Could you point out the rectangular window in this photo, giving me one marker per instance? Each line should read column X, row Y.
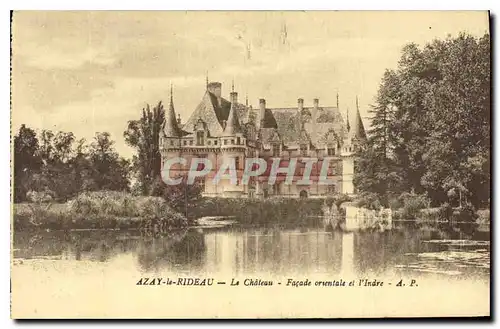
column 232, row 141
column 209, row 142
column 190, row 142
column 171, row 143
column 276, row 150
column 225, row 142
column 200, row 138
column 215, row 142
column 238, row 140
column 185, row 143
column 237, row 163
column 331, row 151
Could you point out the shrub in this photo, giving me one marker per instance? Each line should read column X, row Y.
column 413, row 204
column 445, row 212
column 368, row 200
column 465, row 218
column 102, row 209
column 341, row 198
column 466, row 214
column 483, row 216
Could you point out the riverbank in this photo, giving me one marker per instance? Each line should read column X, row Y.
column 118, row 210
column 99, row 210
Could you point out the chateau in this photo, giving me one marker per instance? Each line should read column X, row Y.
column 219, row 129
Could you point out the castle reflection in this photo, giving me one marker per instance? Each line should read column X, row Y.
column 247, row 250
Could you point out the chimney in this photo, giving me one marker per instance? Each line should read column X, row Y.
column 216, row 89
column 233, row 96
column 300, row 104
column 262, row 107
column 178, row 119
column 315, row 108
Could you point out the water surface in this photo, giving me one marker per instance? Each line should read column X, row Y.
column 274, row 250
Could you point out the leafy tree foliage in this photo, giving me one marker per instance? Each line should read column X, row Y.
column 143, row 135
column 431, row 124
column 61, row 166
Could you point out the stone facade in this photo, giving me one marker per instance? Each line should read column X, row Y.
column 219, row 129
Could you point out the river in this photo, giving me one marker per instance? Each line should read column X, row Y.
column 274, row 250
column 96, row 273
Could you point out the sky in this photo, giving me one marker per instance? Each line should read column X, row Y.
column 92, row 71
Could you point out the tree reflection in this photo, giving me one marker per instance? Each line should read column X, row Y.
column 181, row 250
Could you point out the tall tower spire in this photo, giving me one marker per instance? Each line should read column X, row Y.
column 348, row 125
column 171, row 127
column 358, row 129
column 206, row 80
column 337, row 99
column 171, row 94
column 232, row 85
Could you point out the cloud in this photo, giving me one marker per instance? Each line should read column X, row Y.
column 93, row 71
column 48, row 57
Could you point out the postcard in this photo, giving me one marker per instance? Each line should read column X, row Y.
column 250, row 164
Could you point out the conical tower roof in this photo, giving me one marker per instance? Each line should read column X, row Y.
column 171, row 127
column 232, row 124
column 357, row 130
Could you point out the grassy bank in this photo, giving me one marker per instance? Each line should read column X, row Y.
column 99, row 210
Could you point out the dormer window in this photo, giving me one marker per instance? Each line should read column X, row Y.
column 303, row 150
column 200, row 138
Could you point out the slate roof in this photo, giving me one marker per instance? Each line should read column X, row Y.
column 280, row 124
column 209, row 114
column 233, row 123
column 170, row 127
column 295, row 128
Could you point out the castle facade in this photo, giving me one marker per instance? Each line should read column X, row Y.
column 219, row 129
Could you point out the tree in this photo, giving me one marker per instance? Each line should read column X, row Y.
column 109, row 171
column 143, row 135
column 26, row 161
column 431, row 124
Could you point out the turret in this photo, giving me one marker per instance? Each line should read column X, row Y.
column 171, row 127
column 232, row 124
column 357, row 132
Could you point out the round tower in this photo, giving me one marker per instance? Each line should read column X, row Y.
column 233, row 150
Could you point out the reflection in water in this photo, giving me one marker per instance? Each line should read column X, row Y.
column 274, row 250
